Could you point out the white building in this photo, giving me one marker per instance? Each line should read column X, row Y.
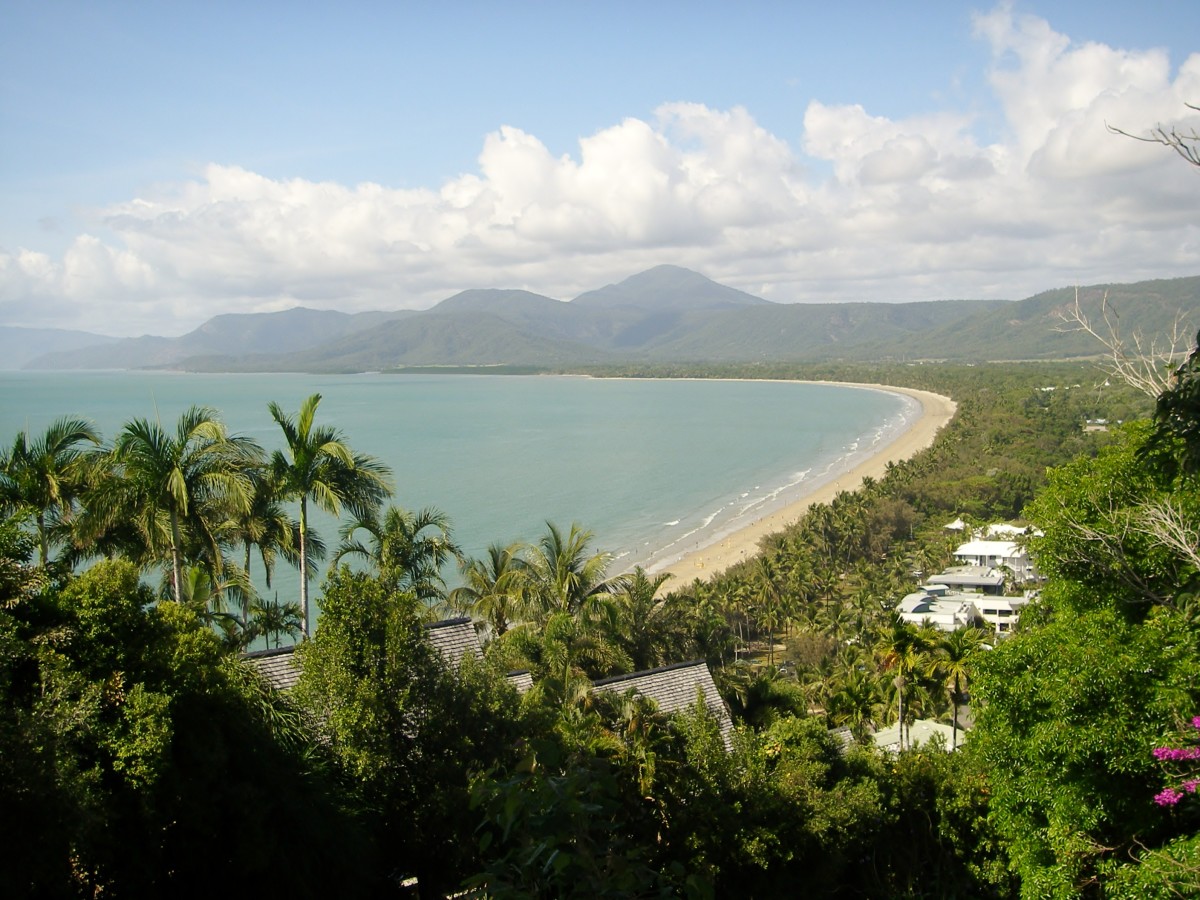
column 942, row 608
column 995, row 554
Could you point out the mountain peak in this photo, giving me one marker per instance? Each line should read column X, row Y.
column 668, row 288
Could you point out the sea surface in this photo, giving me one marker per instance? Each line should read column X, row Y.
column 655, row 468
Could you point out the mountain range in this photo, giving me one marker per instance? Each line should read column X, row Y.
column 664, row 315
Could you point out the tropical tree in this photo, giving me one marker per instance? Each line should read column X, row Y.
column 408, row 550
column 904, row 652
column 647, row 626
column 177, row 490
column 953, row 655
column 45, row 475
column 272, row 619
column 565, row 576
column 264, row 524
column 318, row 465
column 493, row 587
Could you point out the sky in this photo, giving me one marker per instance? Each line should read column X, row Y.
column 162, row 163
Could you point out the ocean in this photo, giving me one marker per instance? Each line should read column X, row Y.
column 653, row 467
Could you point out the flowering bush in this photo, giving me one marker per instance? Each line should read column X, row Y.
column 1172, row 795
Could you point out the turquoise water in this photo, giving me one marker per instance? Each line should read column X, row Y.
column 654, row 468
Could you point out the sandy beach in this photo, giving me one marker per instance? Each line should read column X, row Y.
column 705, row 562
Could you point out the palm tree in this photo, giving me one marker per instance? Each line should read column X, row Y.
column 904, row 652
column 647, row 625
column 493, row 587
column 319, row 465
column 564, row 576
column 178, row 490
column 853, row 702
column 266, row 525
column 45, row 476
column 272, row 619
column 954, row 652
column 408, row 550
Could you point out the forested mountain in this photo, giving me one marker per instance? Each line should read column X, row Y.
column 664, row 315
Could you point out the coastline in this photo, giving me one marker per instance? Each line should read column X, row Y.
column 705, row 562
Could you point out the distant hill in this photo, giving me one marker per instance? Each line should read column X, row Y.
column 668, row 289
column 20, row 346
column 231, row 335
column 667, row 314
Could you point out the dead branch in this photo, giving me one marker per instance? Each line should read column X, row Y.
column 1186, row 144
column 1145, row 365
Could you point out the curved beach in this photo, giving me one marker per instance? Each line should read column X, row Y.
column 706, row 561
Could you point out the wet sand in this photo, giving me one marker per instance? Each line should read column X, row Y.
column 705, row 562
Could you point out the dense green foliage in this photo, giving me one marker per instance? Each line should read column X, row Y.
column 140, row 756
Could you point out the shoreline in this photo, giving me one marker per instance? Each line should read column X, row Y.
column 707, row 561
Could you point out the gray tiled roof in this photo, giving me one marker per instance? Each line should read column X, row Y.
column 454, row 639
column 522, row 680
column 278, row 666
column 673, row 689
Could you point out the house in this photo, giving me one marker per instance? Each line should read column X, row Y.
column 996, row 554
column 453, row 639
column 277, row 666
column 971, row 579
column 1002, row 613
column 936, row 604
column 675, row 689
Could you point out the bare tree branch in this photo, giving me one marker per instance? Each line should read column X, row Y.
column 1145, row 365
column 1185, row 143
column 1167, row 524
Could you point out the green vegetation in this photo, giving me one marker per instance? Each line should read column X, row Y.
column 140, row 756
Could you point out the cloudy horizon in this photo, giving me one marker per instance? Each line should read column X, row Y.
column 1003, row 181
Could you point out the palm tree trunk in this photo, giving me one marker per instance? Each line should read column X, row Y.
column 43, row 539
column 304, row 567
column 176, row 559
column 246, row 594
column 954, row 700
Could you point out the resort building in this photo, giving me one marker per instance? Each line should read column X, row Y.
column 940, row 607
column 998, row 554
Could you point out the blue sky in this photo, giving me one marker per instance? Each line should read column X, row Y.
column 163, row 163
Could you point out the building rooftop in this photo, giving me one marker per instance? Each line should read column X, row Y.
column 675, row 689
column 277, row 666
column 454, row 639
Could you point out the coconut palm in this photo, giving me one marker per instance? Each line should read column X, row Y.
column 647, row 626
column 44, row 476
column 904, row 652
column 178, row 490
column 266, row 525
column 408, row 550
column 954, row 652
column 493, row 587
column 318, row 465
column 565, row 576
column 853, row 702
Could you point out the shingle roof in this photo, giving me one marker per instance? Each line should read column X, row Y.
column 522, row 680
column 673, row 689
column 454, row 639
column 277, row 666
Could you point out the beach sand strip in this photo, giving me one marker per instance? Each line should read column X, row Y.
column 706, row 562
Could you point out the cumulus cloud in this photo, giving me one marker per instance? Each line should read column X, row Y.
column 862, row 206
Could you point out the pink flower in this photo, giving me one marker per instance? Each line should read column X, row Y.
column 1190, row 785
column 1168, row 797
column 1196, row 721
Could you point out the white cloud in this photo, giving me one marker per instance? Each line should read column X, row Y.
column 912, row 208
